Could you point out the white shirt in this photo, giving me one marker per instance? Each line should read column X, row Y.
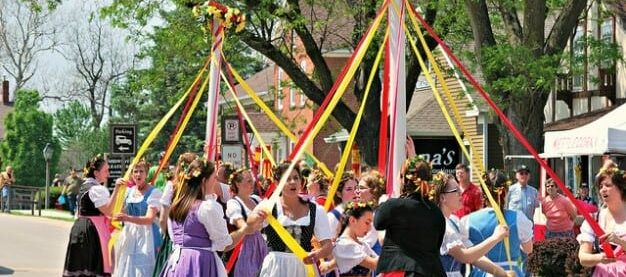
column 233, row 208
column 333, row 222
column 211, row 216
column 168, row 194
column 453, row 236
column 321, row 230
column 99, row 195
column 349, row 253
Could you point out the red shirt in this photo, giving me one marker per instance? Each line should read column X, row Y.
column 472, row 199
column 558, row 211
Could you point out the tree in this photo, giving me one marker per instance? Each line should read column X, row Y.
column 71, row 122
column 267, row 32
column 518, row 61
column 27, row 130
column 99, row 61
column 25, row 33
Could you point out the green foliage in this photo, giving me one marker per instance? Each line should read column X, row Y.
column 71, row 122
column 27, row 130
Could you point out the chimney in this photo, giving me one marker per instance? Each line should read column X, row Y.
column 5, row 92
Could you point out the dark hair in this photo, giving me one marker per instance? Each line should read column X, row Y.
column 617, row 176
column 93, row 165
column 191, row 188
column 229, row 169
column 236, row 178
column 462, row 166
column 375, row 182
column 354, row 209
column 345, row 177
column 282, row 168
column 415, row 172
column 498, row 187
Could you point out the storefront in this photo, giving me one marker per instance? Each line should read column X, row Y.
column 577, row 154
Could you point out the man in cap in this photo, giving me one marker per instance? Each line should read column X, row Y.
column 522, row 196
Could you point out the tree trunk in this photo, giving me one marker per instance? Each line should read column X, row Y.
column 527, row 115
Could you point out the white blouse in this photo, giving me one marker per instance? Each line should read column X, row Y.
column 168, row 194
column 133, row 196
column 99, row 195
column 349, row 253
column 321, row 229
column 333, row 222
column 453, row 236
column 588, row 235
column 210, row 214
column 233, row 208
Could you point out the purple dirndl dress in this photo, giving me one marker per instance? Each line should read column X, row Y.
column 192, row 253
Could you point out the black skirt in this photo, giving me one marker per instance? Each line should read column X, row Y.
column 83, row 256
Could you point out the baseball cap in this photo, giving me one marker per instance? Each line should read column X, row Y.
column 522, row 168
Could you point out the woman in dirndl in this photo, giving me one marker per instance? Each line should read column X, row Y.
column 87, row 250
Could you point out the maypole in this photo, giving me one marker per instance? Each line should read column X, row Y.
column 397, row 95
column 219, row 18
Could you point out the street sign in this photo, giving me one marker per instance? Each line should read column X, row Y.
column 117, row 165
column 123, row 139
column 231, row 131
column 233, row 154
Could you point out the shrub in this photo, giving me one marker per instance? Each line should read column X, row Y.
column 556, row 257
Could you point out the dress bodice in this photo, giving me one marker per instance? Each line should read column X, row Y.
column 190, row 232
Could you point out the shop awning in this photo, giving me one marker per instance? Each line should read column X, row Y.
column 605, row 134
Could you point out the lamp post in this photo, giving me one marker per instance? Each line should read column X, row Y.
column 47, row 155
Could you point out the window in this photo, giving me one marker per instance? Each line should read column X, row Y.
column 606, row 35
column 279, row 90
column 292, row 95
column 302, row 96
column 578, row 57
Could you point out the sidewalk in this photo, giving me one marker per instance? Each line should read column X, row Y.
column 49, row 213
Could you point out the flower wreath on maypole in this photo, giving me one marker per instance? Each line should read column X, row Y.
column 224, row 14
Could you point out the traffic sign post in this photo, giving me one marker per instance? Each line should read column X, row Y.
column 231, row 131
column 233, row 154
column 123, row 139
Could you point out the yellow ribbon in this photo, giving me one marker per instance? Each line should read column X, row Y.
column 272, row 116
column 344, row 83
column 441, row 79
column 355, row 127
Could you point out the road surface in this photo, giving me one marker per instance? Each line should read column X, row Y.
column 32, row 246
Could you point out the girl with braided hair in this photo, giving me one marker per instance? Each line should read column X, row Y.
column 353, row 256
column 87, row 249
column 238, row 208
column 456, row 249
column 482, row 224
column 197, row 225
column 414, row 226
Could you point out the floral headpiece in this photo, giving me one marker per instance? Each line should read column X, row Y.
column 612, row 170
column 352, row 205
column 195, row 172
column 234, row 175
column 411, row 167
column 229, row 16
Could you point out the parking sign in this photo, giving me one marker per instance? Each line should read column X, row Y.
column 123, row 138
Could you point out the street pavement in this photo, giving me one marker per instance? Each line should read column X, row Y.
column 32, row 246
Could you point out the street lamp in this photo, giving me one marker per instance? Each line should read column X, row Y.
column 47, row 155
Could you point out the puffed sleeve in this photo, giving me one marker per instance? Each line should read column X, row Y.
column 586, row 233
column 154, row 200
column 99, row 195
column 233, row 211
column 453, row 236
column 524, row 227
column 348, row 254
column 168, row 193
column 321, row 229
column 333, row 222
column 211, row 216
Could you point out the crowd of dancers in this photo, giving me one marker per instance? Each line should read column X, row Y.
column 207, row 213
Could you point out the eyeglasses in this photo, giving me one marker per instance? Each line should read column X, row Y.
column 452, row 190
column 549, row 186
column 523, row 173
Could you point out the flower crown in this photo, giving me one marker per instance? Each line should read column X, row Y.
column 353, row 205
column 229, row 16
column 231, row 178
column 612, row 170
column 195, row 172
column 411, row 167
